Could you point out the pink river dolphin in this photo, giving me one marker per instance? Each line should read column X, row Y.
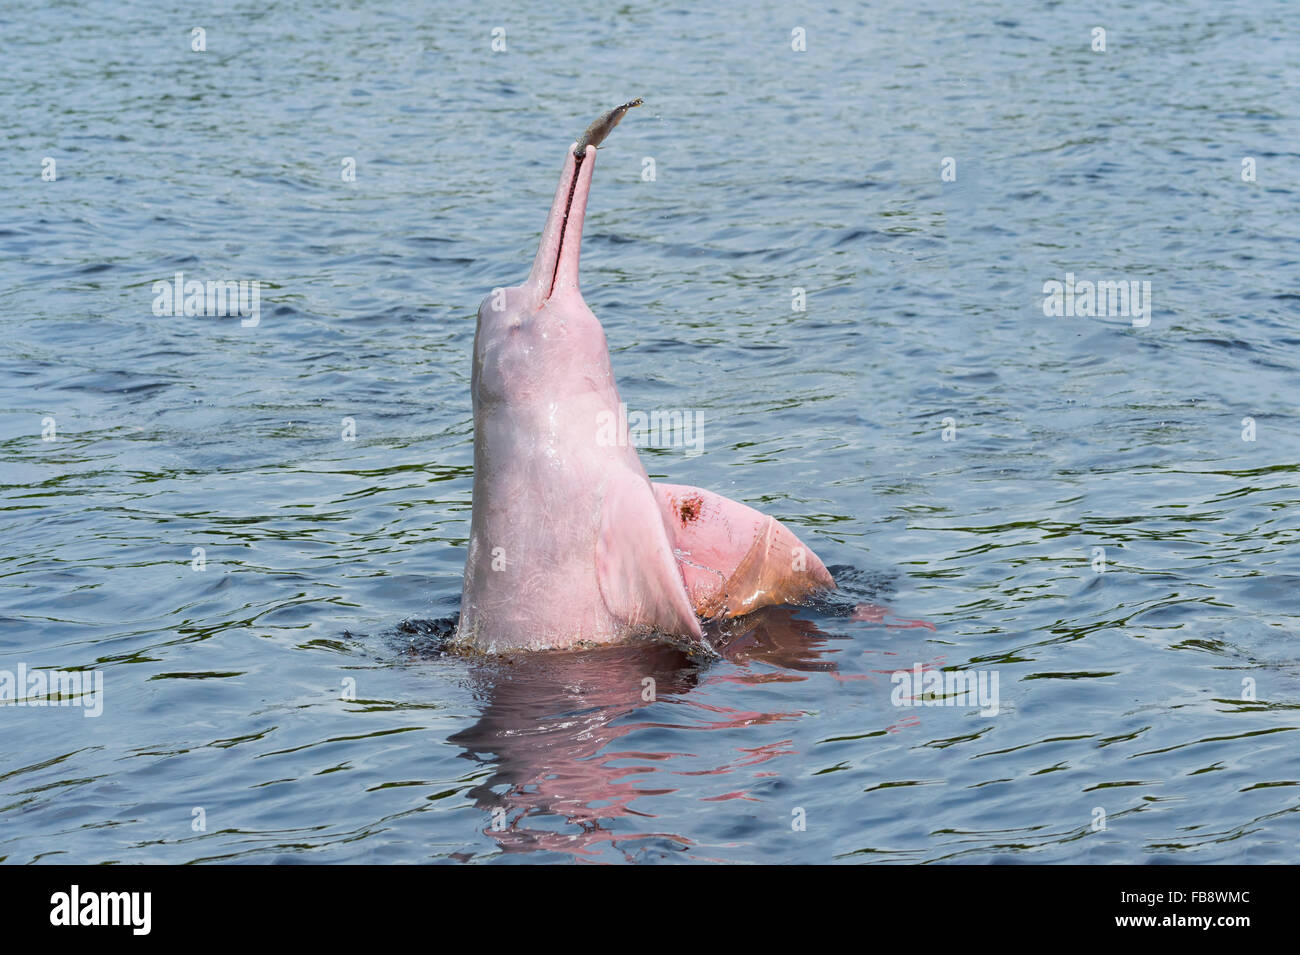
column 570, row 543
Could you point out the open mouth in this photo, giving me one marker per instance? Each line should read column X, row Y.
column 568, row 205
column 555, row 269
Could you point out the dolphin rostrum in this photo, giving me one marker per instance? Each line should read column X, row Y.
column 570, row 544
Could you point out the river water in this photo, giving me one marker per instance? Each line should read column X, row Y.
column 1098, row 511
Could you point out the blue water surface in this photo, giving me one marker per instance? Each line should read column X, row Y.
column 1102, row 515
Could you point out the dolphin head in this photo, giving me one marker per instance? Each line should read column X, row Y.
column 555, row 268
column 539, row 337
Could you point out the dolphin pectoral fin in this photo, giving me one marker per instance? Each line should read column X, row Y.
column 733, row 558
column 638, row 575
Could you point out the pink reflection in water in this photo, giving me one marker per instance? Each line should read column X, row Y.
column 550, row 722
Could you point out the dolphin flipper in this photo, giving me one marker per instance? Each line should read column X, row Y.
column 635, row 567
column 734, row 559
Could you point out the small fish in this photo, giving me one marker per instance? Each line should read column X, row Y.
column 602, row 127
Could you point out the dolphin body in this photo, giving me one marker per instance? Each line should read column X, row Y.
column 570, row 543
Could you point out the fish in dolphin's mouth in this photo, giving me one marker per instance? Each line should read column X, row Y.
column 593, row 135
column 601, row 127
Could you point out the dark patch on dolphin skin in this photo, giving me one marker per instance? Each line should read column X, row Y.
column 689, row 509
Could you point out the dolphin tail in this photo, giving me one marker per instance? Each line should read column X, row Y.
column 734, row 559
